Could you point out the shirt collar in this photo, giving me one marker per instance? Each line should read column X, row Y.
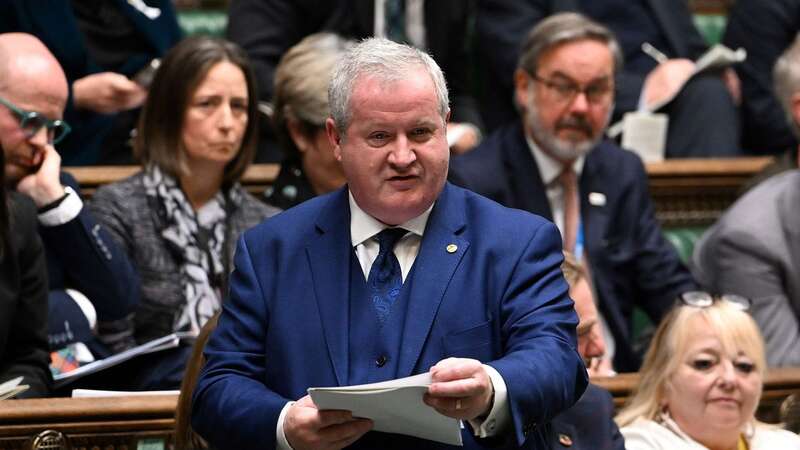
column 549, row 167
column 363, row 226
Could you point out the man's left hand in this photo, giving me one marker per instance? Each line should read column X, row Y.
column 44, row 186
column 461, row 389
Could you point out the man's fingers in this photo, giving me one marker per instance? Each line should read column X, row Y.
column 343, row 434
column 333, row 417
column 464, row 387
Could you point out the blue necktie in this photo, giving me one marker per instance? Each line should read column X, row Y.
column 385, row 278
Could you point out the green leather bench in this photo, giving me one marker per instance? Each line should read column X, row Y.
column 203, row 21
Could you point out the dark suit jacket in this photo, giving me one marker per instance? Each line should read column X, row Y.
column 23, row 302
column 54, row 23
column 81, row 255
column 502, row 25
column 268, row 28
column 765, row 28
column 500, row 298
column 589, row 424
column 631, row 262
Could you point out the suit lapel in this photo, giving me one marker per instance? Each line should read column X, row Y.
column 329, row 261
column 433, row 270
column 527, row 186
column 594, row 214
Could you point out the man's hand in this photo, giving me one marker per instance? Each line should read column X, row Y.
column 107, row 93
column 461, row 389
column 43, row 186
column 733, row 84
column 306, row 427
column 666, row 80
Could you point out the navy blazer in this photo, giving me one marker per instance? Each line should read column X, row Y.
column 589, row 424
column 631, row 262
column 499, row 298
column 54, row 23
column 501, row 27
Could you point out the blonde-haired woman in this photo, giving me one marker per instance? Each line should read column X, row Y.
column 701, row 382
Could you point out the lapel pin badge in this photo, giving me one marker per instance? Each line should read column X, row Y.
column 452, row 248
column 597, row 199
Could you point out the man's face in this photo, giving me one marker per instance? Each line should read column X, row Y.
column 591, row 343
column 394, row 152
column 568, row 102
column 23, row 154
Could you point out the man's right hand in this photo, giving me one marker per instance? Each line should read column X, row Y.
column 107, row 93
column 306, row 427
column 44, row 186
column 666, row 80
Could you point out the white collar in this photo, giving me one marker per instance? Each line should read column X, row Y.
column 549, row 167
column 364, row 227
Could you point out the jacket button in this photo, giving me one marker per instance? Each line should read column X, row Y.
column 381, row 360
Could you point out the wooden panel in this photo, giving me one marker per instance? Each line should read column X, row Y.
column 695, row 192
column 779, row 383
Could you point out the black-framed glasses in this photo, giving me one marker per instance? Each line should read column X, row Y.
column 702, row 299
column 31, row 122
column 565, row 90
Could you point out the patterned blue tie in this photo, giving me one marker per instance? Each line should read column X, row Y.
column 385, row 278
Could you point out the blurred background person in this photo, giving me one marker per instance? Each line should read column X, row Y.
column 266, row 29
column 753, row 248
column 179, row 218
column 90, row 281
column 300, row 109
column 765, row 28
column 106, row 48
column 641, row 82
column 701, row 382
column 589, row 423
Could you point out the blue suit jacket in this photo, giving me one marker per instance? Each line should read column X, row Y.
column 54, row 23
column 631, row 262
column 500, row 298
column 501, row 27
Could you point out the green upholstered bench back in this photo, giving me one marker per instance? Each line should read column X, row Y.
column 203, row 21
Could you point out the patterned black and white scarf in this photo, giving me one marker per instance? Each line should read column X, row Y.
column 201, row 248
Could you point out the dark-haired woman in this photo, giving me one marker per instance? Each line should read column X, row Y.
column 179, row 218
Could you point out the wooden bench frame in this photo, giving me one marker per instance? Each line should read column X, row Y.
column 116, row 423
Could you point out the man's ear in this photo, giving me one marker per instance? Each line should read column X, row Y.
column 334, row 138
column 521, row 92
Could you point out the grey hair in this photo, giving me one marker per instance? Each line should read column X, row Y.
column 386, row 60
column 564, row 28
column 786, row 81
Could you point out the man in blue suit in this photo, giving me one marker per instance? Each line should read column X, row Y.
column 471, row 292
column 554, row 163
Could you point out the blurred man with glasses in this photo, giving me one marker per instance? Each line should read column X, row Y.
column 555, row 163
column 89, row 283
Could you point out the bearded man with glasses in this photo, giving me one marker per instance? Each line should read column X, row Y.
column 89, row 283
column 555, row 163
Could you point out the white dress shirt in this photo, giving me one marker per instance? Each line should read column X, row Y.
column 363, row 229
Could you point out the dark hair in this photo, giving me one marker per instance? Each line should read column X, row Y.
column 158, row 139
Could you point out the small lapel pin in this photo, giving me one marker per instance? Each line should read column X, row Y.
column 597, row 199
column 565, row 440
column 452, row 248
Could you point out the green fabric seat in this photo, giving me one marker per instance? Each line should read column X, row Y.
column 203, row 21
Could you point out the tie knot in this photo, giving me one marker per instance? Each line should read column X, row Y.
column 567, row 176
column 388, row 237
